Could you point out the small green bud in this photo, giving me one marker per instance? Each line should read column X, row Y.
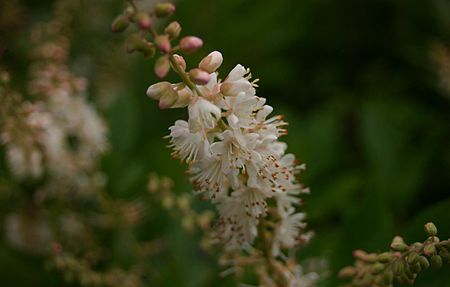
column 164, row 9
column 424, row 262
column 430, row 229
column 120, row 23
column 412, row 258
column 398, row 244
column 397, row 267
column 385, row 257
column 429, row 249
column 347, row 272
column 436, row 261
column 416, row 268
column 173, row 30
column 377, row 268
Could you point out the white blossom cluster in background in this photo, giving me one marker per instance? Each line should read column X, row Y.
column 230, row 142
column 57, row 133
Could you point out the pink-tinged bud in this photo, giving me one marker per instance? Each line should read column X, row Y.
column 211, row 62
column 173, row 30
column 163, row 43
column 180, row 61
column 162, row 67
column 199, row 76
column 184, row 98
column 143, row 20
column 156, row 91
column 164, row 9
column 168, row 99
column 190, row 44
column 120, row 23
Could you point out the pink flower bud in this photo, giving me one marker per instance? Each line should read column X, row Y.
column 163, row 43
column 173, row 30
column 199, row 76
column 190, row 44
column 156, row 91
column 168, row 99
column 184, row 98
column 143, row 20
column 180, row 61
column 211, row 62
column 162, row 67
column 164, row 9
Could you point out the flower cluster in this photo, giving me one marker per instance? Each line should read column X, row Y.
column 57, row 133
column 402, row 264
column 231, row 145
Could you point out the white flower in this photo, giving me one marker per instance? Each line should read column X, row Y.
column 287, row 232
column 208, row 177
column 235, row 227
column 254, row 201
column 203, row 114
column 187, row 146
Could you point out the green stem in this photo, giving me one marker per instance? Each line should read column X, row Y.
column 184, row 77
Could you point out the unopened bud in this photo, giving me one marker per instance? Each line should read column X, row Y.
column 162, row 67
column 130, row 11
column 385, row 257
column 436, row 261
column 398, row 244
column 164, row 92
column 164, row 9
column 184, row 98
column 397, row 267
column 424, row 262
column 199, row 76
column 156, row 91
column 429, row 249
column 430, row 229
column 143, row 20
column 359, row 254
column 168, row 99
column 377, row 268
column 173, row 30
column 120, row 23
column 211, row 62
column 347, row 272
column 412, row 258
column 190, row 44
column 163, row 43
column 180, row 61
column 416, row 268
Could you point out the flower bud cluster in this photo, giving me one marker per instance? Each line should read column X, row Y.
column 164, row 43
column 402, row 264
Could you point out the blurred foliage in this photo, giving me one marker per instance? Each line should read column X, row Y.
column 355, row 80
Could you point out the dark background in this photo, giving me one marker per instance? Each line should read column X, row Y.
column 356, row 81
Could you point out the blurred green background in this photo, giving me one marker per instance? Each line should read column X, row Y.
column 356, row 81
